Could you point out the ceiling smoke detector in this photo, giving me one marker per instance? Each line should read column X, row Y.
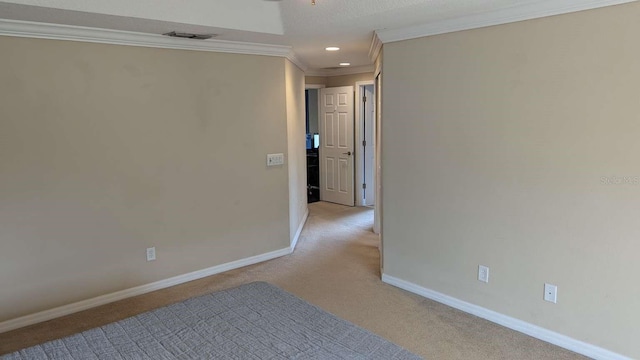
column 184, row 35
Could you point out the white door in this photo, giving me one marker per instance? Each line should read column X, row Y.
column 336, row 145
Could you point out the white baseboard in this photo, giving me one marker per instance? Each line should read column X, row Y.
column 543, row 334
column 138, row 290
column 294, row 241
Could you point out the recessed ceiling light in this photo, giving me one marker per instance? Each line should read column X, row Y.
column 332, row 48
column 345, row 64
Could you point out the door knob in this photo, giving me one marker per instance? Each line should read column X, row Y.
column 347, row 153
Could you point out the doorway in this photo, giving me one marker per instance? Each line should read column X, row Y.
column 312, row 142
column 362, row 173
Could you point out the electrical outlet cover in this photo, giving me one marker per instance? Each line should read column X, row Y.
column 151, row 254
column 483, row 273
column 551, row 293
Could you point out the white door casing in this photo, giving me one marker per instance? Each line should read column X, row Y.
column 337, row 145
column 369, row 154
column 365, row 143
column 378, row 213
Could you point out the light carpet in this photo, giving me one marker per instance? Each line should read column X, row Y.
column 254, row 321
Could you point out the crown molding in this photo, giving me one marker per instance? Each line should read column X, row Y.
column 117, row 37
column 497, row 17
column 291, row 56
column 351, row 70
column 375, row 47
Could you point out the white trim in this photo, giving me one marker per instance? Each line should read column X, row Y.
column 347, row 70
column 495, row 17
column 377, row 69
column 375, row 47
column 535, row 331
column 359, row 176
column 377, row 214
column 117, row 37
column 296, row 237
column 138, row 290
column 357, row 146
column 294, row 59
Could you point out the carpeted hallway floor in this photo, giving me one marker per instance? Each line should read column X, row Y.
column 335, row 266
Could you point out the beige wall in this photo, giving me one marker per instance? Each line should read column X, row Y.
column 107, row 150
column 297, row 161
column 348, row 80
column 504, row 146
column 341, row 80
column 315, row 80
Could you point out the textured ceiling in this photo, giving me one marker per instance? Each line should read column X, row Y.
column 247, row 15
column 349, row 24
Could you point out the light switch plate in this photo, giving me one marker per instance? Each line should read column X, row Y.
column 275, row 159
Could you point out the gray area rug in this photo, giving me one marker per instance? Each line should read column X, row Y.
column 253, row 321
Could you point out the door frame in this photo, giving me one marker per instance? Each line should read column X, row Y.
column 359, row 138
column 378, row 209
column 306, row 106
